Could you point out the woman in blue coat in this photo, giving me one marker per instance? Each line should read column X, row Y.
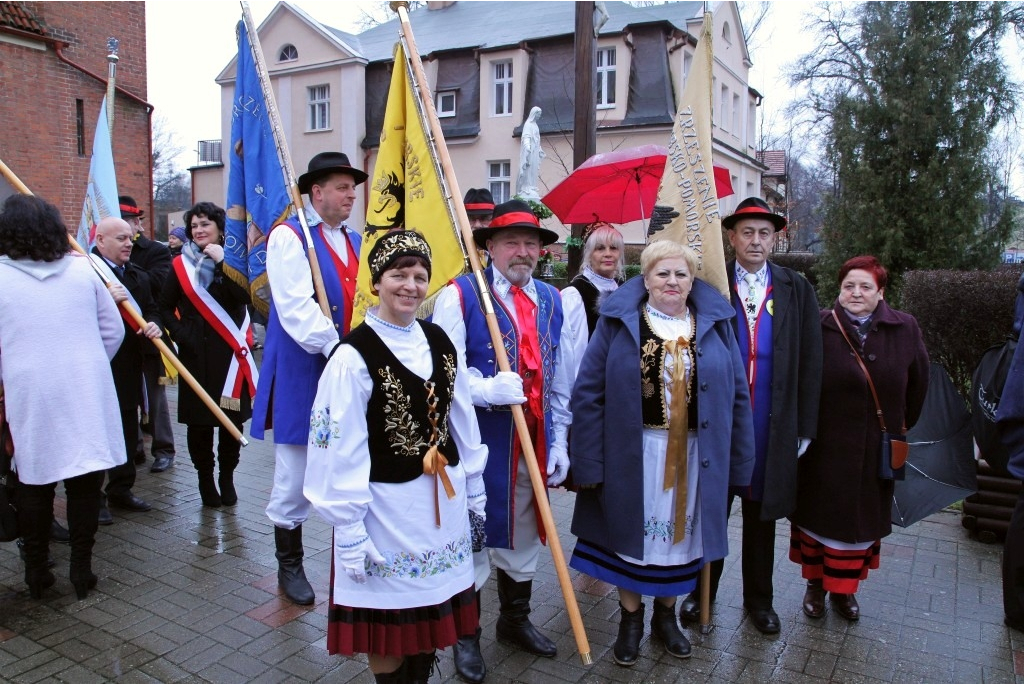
column 661, row 429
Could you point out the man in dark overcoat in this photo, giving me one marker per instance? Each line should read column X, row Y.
column 778, row 328
column 154, row 259
column 113, row 248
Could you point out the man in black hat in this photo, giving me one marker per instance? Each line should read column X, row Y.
column 778, row 328
column 154, row 259
column 479, row 204
column 299, row 340
column 529, row 314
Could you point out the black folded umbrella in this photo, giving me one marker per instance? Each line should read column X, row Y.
column 940, row 469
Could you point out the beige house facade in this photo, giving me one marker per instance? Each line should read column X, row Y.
column 488, row 64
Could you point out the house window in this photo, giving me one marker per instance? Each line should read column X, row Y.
column 445, row 103
column 736, row 114
column 503, row 88
column 723, row 116
column 319, row 108
column 288, row 54
column 687, row 63
column 727, row 33
column 80, row 126
column 751, row 124
column 606, row 77
column 499, row 178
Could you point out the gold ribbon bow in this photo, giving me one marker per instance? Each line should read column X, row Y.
column 434, row 461
column 675, row 453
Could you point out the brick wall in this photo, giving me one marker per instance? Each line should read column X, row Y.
column 38, row 112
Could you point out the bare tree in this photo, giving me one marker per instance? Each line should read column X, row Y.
column 172, row 186
column 381, row 13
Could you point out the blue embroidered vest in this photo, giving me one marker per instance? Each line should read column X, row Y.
column 496, row 428
column 285, row 406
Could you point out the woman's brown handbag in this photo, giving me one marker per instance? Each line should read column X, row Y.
column 894, row 449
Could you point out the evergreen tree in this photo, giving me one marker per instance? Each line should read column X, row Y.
column 909, row 94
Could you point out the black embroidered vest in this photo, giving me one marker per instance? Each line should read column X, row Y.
column 589, row 294
column 398, row 414
column 652, row 378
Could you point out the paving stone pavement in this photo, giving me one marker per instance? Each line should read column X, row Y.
column 189, row 594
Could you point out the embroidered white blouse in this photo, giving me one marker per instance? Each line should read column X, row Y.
column 425, row 564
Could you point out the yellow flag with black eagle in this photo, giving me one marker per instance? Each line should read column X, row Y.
column 407, row 190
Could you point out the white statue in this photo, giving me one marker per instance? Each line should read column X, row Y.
column 530, row 154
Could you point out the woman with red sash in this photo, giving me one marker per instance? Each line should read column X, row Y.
column 207, row 317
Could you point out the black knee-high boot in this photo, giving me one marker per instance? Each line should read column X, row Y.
column 83, row 521
column 514, row 620
column 35, row 516
column 228, row 451
column 200, row 449
column 291, row 577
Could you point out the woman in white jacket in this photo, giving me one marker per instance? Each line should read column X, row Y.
column 395, row 464
column 59, row 329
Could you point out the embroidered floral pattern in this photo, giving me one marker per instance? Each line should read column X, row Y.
column 664, row 530
column 322, row 428
column 449, row 370
column 648, row 359
column 402, row 430
column 432, row 562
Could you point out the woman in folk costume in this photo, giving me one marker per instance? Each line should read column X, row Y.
column 604, row 269
column 395, row 464
column 874, row 361
column 661, row 429
column 206, row 314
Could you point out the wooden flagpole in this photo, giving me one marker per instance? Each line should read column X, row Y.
column 536, row 478
column 137, row 318
column 285, row 157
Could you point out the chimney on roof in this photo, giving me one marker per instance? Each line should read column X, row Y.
column 439, row 4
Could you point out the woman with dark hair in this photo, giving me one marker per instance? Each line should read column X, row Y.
column 395, row 464
column 844, row 504
column 206, row 315
column 604, row 268
column 48, row 297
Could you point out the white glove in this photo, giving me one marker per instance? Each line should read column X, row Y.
column 476, row 496
column 558, row 464
column 506, row 387
column 214, row 252
column 353, row 559
column 801, row 446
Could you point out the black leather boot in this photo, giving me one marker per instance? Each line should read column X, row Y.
column 200, row 450
column 399, row 675
column 83, row 521
column 35, row 516
column 514, row 620
column 228, row 450
column 420, row 667
column 469, row 662
column 665, row 628
column 291, row 577
column 631, row 631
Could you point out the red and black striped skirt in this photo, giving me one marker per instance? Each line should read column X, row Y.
column 401, row 632
column 840, row 570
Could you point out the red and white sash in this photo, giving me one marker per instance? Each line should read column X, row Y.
column 242, row 369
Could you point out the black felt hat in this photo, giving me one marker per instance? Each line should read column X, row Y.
column 478, row 201
column 327, row 163
column 513, row 214
column 754, row 208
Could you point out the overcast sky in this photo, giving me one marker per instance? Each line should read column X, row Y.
column 190, row 41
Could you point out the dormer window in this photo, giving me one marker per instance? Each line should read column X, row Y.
column 288, row 53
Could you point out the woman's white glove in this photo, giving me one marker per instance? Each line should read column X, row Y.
column 505, row 387
column 353, row 558
column 558, row 465
column 801, row 446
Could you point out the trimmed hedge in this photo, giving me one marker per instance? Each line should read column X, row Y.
column 961, row 314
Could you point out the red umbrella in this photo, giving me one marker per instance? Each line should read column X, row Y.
column 617, row 187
